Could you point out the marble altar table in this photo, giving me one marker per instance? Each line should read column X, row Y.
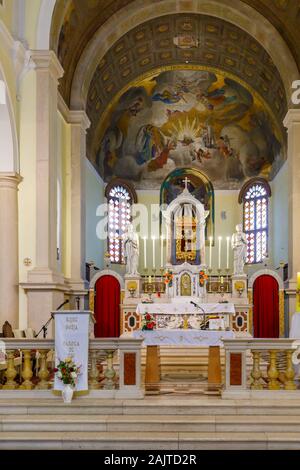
column 202, row 338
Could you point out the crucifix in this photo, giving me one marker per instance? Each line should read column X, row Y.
column 186, row 181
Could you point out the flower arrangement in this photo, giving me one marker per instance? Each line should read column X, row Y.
column 67, row 371
column 148, row 322
column 168, row 278
column 202, row 277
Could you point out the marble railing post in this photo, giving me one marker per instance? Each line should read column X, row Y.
column 45, row 285
column 9, row 271
column 292, row 123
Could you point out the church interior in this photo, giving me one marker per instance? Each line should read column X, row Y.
column 149, row 183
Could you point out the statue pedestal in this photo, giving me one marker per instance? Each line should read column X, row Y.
column 239, row 286
column 133, row 286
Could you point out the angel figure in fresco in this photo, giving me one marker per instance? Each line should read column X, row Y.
column 169, row 97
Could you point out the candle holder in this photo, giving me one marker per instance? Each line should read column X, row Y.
column 209, row 281
column 219, row 279
column 154, row 281
column 222, row 289
column 227, row 280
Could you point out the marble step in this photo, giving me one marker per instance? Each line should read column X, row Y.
column 146, row 423
column 149, row 440
column 150, row 406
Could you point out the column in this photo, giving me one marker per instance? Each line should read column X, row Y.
column 9, row 272
column 45, row 287
column 79, row 123
column 292, row 123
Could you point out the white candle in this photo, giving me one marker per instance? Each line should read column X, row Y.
column 153, row 251
column 210, row 250
column 162, row 251
column 220, row 247
column 145, row 252
column 227, row 258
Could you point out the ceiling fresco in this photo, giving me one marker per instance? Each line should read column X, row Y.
column 75, row 22
column 195, row 118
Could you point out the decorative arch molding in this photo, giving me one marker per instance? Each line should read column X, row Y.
column 125, row 184
column 139, row 11
column 8, row 133
column 44, row 24
column 106, row 272
column 266, row 272
column 250, row 183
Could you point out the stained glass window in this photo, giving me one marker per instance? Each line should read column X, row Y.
column 255, row 199
column 119, row 216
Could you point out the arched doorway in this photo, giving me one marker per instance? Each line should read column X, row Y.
column 265, row 307
column 107, row 307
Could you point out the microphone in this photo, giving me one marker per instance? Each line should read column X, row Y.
column 198, row 306
column 64, row 303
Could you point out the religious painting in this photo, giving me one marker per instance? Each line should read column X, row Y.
column 185, row 285
column 194, row 118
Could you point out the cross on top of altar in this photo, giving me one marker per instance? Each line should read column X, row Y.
column 186, row 181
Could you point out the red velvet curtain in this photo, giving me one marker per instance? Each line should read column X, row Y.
column 107, row 307
column 266, row 307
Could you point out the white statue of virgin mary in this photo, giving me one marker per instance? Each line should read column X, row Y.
column 131, row 251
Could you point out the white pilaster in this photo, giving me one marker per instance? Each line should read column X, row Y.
column 292, row 123
column 9, row 273
column 79, row 124
column 45, row 287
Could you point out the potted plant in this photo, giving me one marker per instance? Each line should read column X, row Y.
column 67, row 371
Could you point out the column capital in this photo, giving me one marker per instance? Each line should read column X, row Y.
column 79, row 118
column 73, row 116
column 10, row 180
column 292, row 117
column 47, row 60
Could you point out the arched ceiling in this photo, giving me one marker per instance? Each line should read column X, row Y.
column 75, row 22
column 222, row 46
column 245, row 74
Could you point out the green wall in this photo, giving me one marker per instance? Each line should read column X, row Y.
column 280, row 222
column 95, row 248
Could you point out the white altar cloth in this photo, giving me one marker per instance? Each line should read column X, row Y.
column 184, row 308
column 183, row 337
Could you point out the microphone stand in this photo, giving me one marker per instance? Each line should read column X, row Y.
column 204, row 314
column 45, row 326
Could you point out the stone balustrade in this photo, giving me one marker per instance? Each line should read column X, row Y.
column 114, row 366
column 272, row 368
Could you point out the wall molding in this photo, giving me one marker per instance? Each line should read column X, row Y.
column 266, row 272
column 106, row 272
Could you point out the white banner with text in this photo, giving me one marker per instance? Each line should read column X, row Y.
column 72, row 341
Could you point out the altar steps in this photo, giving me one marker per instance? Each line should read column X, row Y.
column 151, row 423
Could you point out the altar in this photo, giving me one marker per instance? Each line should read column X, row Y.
column 185, row 294
column 189, row 314
column 183, row 338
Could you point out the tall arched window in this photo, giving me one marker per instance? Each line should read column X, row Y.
column 255, row 198
column 120, row 197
